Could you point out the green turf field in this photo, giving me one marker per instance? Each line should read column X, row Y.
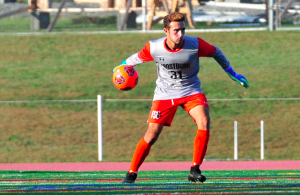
column 150, row 182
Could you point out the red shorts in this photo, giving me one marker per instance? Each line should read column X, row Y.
column 163, row 111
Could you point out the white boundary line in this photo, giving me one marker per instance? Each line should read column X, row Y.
column 44, row 101
column 143, row 100
column 140, row 31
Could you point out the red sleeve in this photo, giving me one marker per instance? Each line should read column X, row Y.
column 145, row 54
column 205, row 49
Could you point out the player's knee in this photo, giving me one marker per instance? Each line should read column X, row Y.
column 203, row 122
column 151, row 141
column 152, row 134
column 151, row 138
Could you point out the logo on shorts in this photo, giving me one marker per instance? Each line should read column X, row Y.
column 155, row 114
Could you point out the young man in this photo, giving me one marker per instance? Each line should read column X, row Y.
column 177, row 60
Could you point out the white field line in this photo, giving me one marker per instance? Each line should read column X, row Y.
column 142, row 100
column 138, row 31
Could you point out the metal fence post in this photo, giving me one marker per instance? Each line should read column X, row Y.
column 235, row 140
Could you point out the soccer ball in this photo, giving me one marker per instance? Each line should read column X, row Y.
column 125, row 77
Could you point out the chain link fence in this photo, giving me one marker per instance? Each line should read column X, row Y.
column 21, row 16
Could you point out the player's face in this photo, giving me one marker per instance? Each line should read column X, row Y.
column 176, row 32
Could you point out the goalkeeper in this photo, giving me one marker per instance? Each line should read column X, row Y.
column 177, row 61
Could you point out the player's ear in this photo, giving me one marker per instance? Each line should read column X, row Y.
column 165, row 30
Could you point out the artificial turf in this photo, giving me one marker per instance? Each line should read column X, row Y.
column 150, row 182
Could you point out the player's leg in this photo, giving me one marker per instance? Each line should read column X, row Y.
column 201, row 116
column 161, row 114
column 198, row 108
column 142, row 150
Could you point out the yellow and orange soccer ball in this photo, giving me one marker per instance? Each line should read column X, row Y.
column 125, row 77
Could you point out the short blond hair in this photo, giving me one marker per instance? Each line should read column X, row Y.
column 174, row 16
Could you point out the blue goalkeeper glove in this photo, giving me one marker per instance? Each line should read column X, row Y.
column 123, row 63
column 236, row 77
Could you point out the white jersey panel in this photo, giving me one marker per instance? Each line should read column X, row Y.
column 177, row 71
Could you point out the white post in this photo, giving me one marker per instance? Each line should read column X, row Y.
column 271, row 15
column 99, row 107
column 262, row 144
column 235, row 140
column 144, row 13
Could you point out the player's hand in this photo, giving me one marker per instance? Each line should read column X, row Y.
column 237, row 77
column 241, row 79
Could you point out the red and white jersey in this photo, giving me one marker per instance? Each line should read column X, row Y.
column 177, row 70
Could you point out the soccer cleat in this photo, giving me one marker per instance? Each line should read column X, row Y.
column 195, row 175
column 130, row 178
